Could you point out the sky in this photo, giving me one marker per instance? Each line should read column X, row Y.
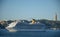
column 28, row 9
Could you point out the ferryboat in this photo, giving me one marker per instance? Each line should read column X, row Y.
column 22, row 26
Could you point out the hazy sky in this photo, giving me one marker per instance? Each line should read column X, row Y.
column 28, row 9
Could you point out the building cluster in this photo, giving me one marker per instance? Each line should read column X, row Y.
column 48, row 23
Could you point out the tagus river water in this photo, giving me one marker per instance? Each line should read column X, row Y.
column 47, row 33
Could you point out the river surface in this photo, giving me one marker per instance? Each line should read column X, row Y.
column 46, row 33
